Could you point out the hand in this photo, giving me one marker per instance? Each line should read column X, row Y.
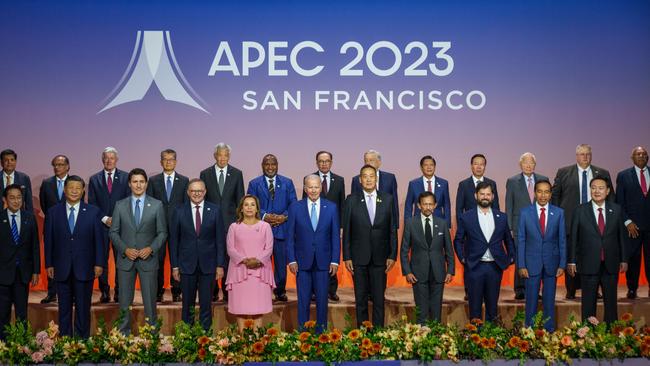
column 571, row 269
column 349, row 266
column 98, row 271
column 50, row 273
column 333, row 269
column 109, row 221
column 132, row 253
column 559, row 273
column 293, row 267
column 448, row 278
column 145, row 252
column 176, row 273
column 410, row 278
column 35, row 278
column 523, row 273
column 253, row 263
column 270, row 218
column 219, row 273
column 632, row 230
column 389, row 264
column 281, row 219
column 622, row 267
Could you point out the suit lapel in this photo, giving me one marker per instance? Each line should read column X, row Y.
column 609, row 218
column 364, row 207
column 419, row 231
column 497, row 221
column 592, row 218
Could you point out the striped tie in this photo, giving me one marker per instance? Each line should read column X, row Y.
column 14, row 230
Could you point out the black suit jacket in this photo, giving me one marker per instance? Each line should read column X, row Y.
column 48, row 194
column 27, row 252
column 466, row 196
column 365, row 243
column 98, row 191
column 157, row 189
column 233, row 191
column 437, row 257
column 335, row 192
column 25, row 183
column 636, row 207
column 586, row 241
column 387, row 183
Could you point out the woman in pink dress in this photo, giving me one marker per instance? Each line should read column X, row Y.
column 250, row 281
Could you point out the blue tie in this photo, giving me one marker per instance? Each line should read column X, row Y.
column 584, row 187
column 137, row 212
column 14, row 230
column 314, row 217
column 71, row 220
column 169, row 187
column 59, row 188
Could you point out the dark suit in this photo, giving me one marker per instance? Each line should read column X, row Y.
column 48, row 197
column 636, row 207
column 466, row 196
column 429, row 263
column 98, row 196
column 386, row 183
column 336, row 194
column 368, row 245
column 197, row 256
column 157, row 188
column 483, row 279
column 25, row 184
column 566, row 195
column 18, row 262
column 228, row 200
column 313, row 251
column 597, row 257
column 74, row 256
column 516, row 199
column 440, row 190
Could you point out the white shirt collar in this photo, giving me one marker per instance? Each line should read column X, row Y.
column 638, row 170
column 62, row 179
column 532, row 177
column 201, row 204
column 17, row 213
column 480, row 212
column 173, row 175
column 76, row 206
column 425, row 180
column 310, row 202
column 588, row 169
column 373, row 193
column 10, row 175
column 596, row 207
column 218, row 169
column 476, row 180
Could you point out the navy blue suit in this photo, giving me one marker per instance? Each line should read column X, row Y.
column 74, row 256
column 483, row 279
column 25, row 184
column 440, row 190
column 541, row 254
column 197, row 256
column 388, row 184
column 48, row 197
column 285, row 195
column 466, row 196
column 313, row 251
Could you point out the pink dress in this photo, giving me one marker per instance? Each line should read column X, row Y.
column 250, row 290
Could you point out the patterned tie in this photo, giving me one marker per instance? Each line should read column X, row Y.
column 314, row 216
column 531, row 193
column 325, row 184
column 168, row 187
column 197, row 220
column 601, row 228
column 271, row 189
column 8, row 181
column 14, row 230
column 137, row 212
column 371, row 208
column 429, row 187
column 583, row 197
column 644, row 184
column 221, row 182
column 428, row 235
column 71, row 220
column 542, row 220
column 59, row 188
column 109, row 183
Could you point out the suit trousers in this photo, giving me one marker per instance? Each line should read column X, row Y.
column 148, row 287
column 428, row 298
column 483, row 285
column 223, row 280
column 72, row 291
column 572, row 283
column 369, row 280
column 533, row 284
column 51, row 287
column 176, row 286
column 608, row 282
column 202, row 282
column 102, row 281
column 312, row 281
column 280, row 266
column 519, row 283
column 634, row 249
column 15, row 294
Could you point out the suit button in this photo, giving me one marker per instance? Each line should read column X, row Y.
column 71, row 238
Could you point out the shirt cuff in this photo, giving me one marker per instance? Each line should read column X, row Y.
column 627, row 222
column 176, row 269
column 292, row 263
column 104, row 219
column 570, row 264
column 336, row 264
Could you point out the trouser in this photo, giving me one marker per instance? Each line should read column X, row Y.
column 190, row 284
column 280, row 266
column 533, row 284
column 148, row 287
column 308, row 282
column 635, row 247
column 15, row 294
column 608, row 282
column 175, row 285
column 483, row 284
column 369, row 280
column 73, row 291
column 427, row 294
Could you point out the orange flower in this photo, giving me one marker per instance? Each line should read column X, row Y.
column 364, row 354
column 492, row 343
column 628, row 331
column 203, row 340
column 471, row 327
column 324, row 338
column 366, row 343
column 376, row 347
column 646, row 341
column 272, row 331
column 626, row 317
column 539, row 333
column 201, row 353
column 367, row 324
column 566, row 341
column 335, row 336
column 524, row 346
column 310, row 324
column 475, row 338
column 476, row 321
column 354, row 334
column 248, row 323
column 304, row 336
column 484, row 342
column 305, row 347
column 258, row 347
column 514, row 342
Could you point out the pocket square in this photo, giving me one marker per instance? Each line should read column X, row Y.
column 441, row 233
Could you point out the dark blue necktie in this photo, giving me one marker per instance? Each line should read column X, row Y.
column 14, row 230
column 71, row 220
column 169, row 187
column 137, row 213
column 584, row 187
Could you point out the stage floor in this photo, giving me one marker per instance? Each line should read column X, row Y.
column 399, row 301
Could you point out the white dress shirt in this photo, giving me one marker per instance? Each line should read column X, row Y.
column 539, row 213
column 76, row 210
column 426, row 184
column 201, row 206
column 424, row 222
column 486, row 221
column 646, row 174
column 476, row 180
column 329, row 178
column 17, row 213
column 218, row 170
column 595, row 207
column 589, row 177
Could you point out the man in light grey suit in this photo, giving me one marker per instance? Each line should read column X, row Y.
column 520, row 193
column 431, row 265
column 138, row 232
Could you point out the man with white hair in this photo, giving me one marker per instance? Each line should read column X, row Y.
column 520, row 193
column 386, row 181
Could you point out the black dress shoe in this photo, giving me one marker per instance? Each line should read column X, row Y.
column 48, row 299
column 313, row 298
column 104, row 299
column 630, row 295
column 176, row 297
column 225, row 296
column 333, row 297
column 159, row 298
column 282, row 297
column 116, row 298
column 519, row 296
column 570, row 296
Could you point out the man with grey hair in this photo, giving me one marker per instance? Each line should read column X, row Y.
column 386, row 181
column 225, row 188
column 571, row 189
column 105, row 188
column 520, row 193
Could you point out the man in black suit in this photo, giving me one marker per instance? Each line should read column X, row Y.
column 369, row 244
column 225, row 188
column 170, row 188
column 333, row 189
column 386, row 182
column 50, row 194
column 632, row 195
column 10, row 176
column 571, row 189
column 597, row 249
column 105, row 188
column 20, row 259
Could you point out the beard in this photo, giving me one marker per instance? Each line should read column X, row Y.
column 485, row 203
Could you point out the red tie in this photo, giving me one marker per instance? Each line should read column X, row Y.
column 197, row 221
column 542, row 220
column 109, row 183
column 601, row 228
column 644, row 184
column 429, row 186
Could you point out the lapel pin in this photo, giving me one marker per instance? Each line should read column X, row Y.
column 176, row 178
column 497, row 215
column 208, row 208
column 228, row 175
column 610, row 210
column 552, row 213
column 148, row 204
column 83, row 209
column 435, row 225
column 438, row 184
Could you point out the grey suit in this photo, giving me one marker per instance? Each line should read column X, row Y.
column 428, row 264
column 151, row 232
column 516, row 199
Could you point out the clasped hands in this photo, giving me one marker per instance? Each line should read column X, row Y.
column 350, row 267
column 251, row 263
column 523, row 272
column 274, row 219
column 50, row 273
column 572, row 270
column 134, row 254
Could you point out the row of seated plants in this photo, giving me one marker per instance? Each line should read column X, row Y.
column 402, row 340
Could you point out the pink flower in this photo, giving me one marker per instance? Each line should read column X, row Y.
column 166, row 348
column 223, row 342
column 38, row 357
column 593, row 320
column 41, row 337
column 582, row 332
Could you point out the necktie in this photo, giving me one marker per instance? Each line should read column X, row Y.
column 542, row 220
column 8, row 180
column 59, row 188
column 137, row 212
column 271, row 188
column 168, row 187
column 197, row 220
column 644, row 184
column 429, row 187
column 428, row 235
column 314, row 217
column 531, row 193
column 71, row 220
column 371, row 208
column 14, row 230
column 221, row 181
column 583, row 189
column 601, row 228
column 325, row 184
column 109, row 183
